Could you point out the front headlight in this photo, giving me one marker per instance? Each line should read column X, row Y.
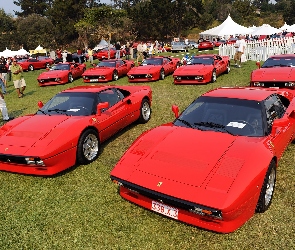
column 85, row 77
column 204, row 211
column 149, row 76
column 177, row 77
column 57, row 79
column 34, row 161
column 289, row 84
column 199, row 77
column 258, row 84
column 101, row 77
column 131, row 77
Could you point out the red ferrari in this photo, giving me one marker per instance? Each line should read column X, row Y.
column 70, row 128
column 61, row 73
column 104, row 53
column 153, row 69
column 202, row 69
column 205, row 45
column 108, row 70
column 215, row 165
column 33, row 63
column 277, row 71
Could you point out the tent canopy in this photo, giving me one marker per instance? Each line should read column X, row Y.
column 103, row 44
column 38, row 50
column 265, row 29
column 228, row 27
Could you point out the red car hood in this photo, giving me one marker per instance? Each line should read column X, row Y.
column 30, row 132
column 52, row 73
column 98, row 71
column 193, row 69
column 144, row 69
column 274, row 74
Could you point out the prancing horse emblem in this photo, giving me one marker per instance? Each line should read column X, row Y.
column 159, row 184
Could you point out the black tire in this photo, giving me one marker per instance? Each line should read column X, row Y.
column 88, row 147
column 162, row 74
column 70, row 78
column 115, row 75
column 31, row 67
column 145, row 111
column 267, row 189
column 214, row 76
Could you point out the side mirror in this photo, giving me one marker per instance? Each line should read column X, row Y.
column 175, row 110
column 258, row 65
column 40, row 104
column 101, row 106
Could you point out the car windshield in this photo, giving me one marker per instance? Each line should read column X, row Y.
column 43, row 58
column 227, row 115
column 71, row 104
column 279, row 62
column 61, row 66
column 22, row 60
column 202, row 60
column 152, row 61
column 107, row 64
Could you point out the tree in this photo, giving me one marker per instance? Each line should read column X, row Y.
column 35, row 30
column 7, row 29
column 33, row 7
column 103, row 22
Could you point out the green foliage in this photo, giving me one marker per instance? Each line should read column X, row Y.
column 35, row 30
column 81, row 209
column 32, row 7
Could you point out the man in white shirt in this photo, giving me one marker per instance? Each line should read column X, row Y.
column 240, row 46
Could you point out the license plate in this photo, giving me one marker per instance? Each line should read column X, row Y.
column 165, row 210
column 93, row 80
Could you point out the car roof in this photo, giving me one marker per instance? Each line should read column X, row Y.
column 88, row 88
column 283, row 56
column 257, row 94
column 205, row 55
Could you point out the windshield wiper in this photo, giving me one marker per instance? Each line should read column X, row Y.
column 60, row 111
column 185, row 122
column 213, row 125
column 43, row 112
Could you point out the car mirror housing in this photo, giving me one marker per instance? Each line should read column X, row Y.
column 101, row 106
column 175, row 110
column 40, row 104
column 258, row 65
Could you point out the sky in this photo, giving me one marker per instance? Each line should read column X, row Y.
column 9, row 7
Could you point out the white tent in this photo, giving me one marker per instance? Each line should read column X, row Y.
column 265, row 29
column 228, row 27
column 7, row 53
column 21, row 52
column 291, row 28
column 285, row 26
column 103, row 44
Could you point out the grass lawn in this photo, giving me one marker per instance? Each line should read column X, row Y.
column 81, row 209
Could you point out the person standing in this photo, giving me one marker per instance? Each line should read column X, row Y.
column 140, row 49
column 2, row 84
column 3, row 72
column 3, row 109
column 90, row 55
column 118, row 48
column 64, row 56
column 17, row 78
column 240, row 46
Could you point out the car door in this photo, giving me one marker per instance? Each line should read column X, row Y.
column 121, row 68
column 275, row 109
column 218, row 65
column 114, row 117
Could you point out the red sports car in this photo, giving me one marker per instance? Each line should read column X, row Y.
column 61, row 73
column 205, row 45
column 108, row 70
column 104, row 53
column 277, row 71
column 70, row 128
column 202, row 69
column 153, row 69
column 215, row 165
column 33, row 63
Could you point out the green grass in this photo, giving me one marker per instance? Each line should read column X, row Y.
column 81, row 209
